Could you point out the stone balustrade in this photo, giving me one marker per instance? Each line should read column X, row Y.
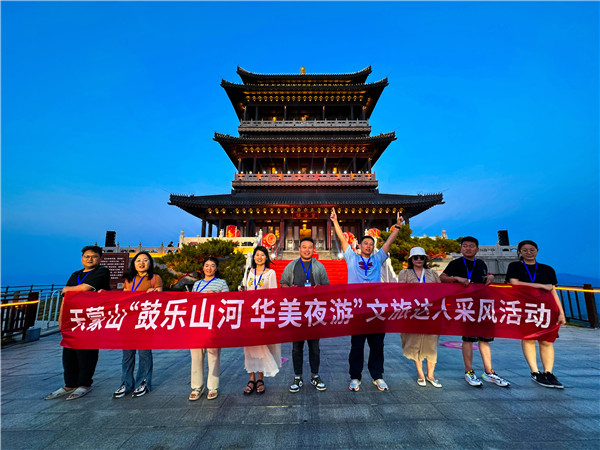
column 347, row 123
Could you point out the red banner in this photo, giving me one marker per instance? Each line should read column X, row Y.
column 181, row 320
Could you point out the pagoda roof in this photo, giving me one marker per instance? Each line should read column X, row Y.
column 365, row 94
column 349, row 146
column 252, row 77
column 292, row 198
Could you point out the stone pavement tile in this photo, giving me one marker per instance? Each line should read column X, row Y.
column 585, row 408
column 26, row 440
column 456, row 433
column 196, row 416
column 30, row 421
column 350, row 415
column 104, row 437
column 311, row 397
column 535, row 430
column 585, row 427
column 407, row 412
column 164, row 438
column 278, row 436
column 527, row 409
column 25, row 406
column 476, row 409
column 241, row 436
column 391, row 435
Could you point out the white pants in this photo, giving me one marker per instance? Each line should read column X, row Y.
column 214, row 367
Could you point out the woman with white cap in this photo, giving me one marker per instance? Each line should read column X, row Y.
column 420, row 346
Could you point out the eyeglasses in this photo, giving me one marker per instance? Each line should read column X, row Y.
column 423, row 257
column 90, row 257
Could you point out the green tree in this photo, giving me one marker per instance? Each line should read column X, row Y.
column 400, row 249
column 189, row 259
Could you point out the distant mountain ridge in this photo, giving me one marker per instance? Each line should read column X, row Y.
column 569, row 279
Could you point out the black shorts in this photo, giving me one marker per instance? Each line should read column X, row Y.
column 476, row 339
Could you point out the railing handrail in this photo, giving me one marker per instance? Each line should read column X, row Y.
column 305, row 123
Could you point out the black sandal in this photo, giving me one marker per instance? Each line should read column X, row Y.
column 260, row 383
column 252, row 385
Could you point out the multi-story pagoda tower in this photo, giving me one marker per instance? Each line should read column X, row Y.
column 304, row 146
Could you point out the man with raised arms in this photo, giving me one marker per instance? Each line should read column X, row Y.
column 366, row 268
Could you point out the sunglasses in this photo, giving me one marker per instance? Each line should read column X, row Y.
column 420, row 257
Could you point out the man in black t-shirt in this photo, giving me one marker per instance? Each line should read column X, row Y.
column 528, row 272
column 79, row 365
column 305, row 271
column 467, row 270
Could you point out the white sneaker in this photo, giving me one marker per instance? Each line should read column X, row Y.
column 354, row 384
column 381, row 385
column 494, row 378
column 472, row 378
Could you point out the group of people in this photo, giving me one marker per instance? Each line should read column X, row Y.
column 364, row 266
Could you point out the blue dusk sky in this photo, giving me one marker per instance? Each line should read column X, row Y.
column 107, row 108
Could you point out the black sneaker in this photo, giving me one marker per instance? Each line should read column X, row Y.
column 119, row 393
column 296, row 385
column 142, row 389
column 540, row 378
column 316, row 381
column 553, row 380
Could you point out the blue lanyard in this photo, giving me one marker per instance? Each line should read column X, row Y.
column 81, row 281
column 138, row 285
column 422, row 279
column 467, row 267
column 200, row 282
column 366, row 264
column 255, row 282
column 529, row 273
column 305, row 272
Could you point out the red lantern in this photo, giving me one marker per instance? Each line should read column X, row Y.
column 269, row 240
column 230, row 231
column 374, row 232
column 349, row 237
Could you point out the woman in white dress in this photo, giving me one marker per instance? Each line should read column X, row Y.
column 261, row 360
column 420, row 346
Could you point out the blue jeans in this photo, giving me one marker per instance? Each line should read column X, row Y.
column 144, row 371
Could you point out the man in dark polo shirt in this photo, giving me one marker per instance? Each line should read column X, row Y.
column 79, row 365
column 305, row 271
column 466, row 270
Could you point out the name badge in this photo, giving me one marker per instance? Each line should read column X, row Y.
column 307, row 285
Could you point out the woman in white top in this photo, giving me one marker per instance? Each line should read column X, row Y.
column 261, row 360
column 210, row 282
column 420, row 346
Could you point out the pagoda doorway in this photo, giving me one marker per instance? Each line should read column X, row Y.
column 305, row 232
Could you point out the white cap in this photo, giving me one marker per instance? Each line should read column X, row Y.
column 417, row 251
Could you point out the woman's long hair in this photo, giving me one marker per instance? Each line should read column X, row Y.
column 131, row 272
column 216, row 261
column 266, row 252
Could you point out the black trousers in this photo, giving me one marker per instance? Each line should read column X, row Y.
column 79, row 366
column 314, row 356
column 357, row 355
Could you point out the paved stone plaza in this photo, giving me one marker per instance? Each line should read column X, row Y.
column 408, row 416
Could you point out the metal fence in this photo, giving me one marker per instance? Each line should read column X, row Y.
column 580, row 304
column 47, row 309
